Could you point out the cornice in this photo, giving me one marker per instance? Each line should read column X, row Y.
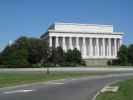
column 113, row 33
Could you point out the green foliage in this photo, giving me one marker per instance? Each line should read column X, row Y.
column 14, row 56
column 123, row 55
column 11, row 79
column 25, row 51
column 73, row 56
column 57, row 57
column 60, row 58
column 125, row 92
column 130, row 54
column 36, row 52
column 22, row 42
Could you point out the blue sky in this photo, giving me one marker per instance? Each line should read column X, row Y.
column 32, row 17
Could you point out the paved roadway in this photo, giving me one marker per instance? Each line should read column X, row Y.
column 69, row 89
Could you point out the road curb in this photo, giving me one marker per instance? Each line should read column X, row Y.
column 95, row 96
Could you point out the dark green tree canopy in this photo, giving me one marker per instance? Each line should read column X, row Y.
column 39, row 50
column 32, row 51
column 57, row 56
column 123, row 55
column 25, row 51
column 13, row 55
column 130, row 54
column 73, row 56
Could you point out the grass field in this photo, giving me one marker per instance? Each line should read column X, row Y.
column 125, row 92
column 10, row 79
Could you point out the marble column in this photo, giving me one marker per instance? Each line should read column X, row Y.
column 115, row 48
column 77, row 43
column 64, row 44
column 57, row 42
column 50, row 41
column 106, row 46
column 90, row 46
column 120, row 42
column 109, row 40
column 103, row 47
column 70, row 43
column 84, row 47
column 97, row 46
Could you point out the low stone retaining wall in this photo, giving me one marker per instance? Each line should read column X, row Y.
column 94, row 62
column 69, row 69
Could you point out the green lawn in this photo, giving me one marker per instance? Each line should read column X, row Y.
column 10, row 79
column 125, row 92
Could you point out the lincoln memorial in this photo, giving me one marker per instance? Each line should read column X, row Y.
column 97, row 43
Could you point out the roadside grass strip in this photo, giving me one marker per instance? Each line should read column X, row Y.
column 120, row 91
column 13, row 79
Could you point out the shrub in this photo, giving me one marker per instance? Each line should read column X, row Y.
column 123, row 55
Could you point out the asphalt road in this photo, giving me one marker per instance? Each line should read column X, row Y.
column 69, row 89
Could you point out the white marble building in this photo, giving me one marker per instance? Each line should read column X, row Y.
column 94, row 41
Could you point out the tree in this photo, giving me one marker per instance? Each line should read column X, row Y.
column 57, row 57
column 123, row 55
column 73, row 56
column 38, row 51
column 25, row 51
column 22, row 42
column 14, row 56
column 130, row 54
column 69, row 56
column 76, row 56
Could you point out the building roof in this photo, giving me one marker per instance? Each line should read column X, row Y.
column 76, row 27
column 60, row 27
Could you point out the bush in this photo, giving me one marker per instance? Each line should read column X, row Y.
column 73, row 58
column 15, row 66
column 123, row 55
column 57, row 56
column 130, row 54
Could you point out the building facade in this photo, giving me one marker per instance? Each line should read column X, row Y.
column 95, row 42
